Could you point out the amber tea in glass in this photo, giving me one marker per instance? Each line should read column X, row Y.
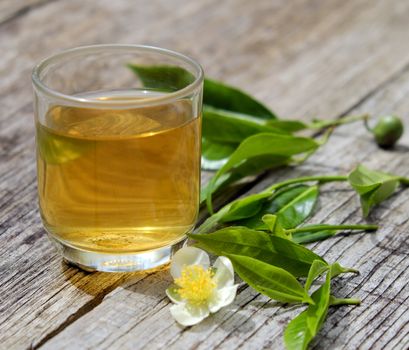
column 118, row 161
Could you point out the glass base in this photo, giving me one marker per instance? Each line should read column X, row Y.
column 105, row 262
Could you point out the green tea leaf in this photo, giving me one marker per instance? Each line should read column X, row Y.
column 311, row 233
column 236, row 176
column 220, row 95
column 308, row 237
column 254, row 206
column 296, row 211
column 302, row 329
column 229, row 127
column 290, row 126
column 372, row 186
column 270, row 280
column 241, row 207
column 247, row 168
column 215, row 93
column 222, row 132
column 337, row 269
column 263, row 144
column 293, row 205
column 277, row 251
column 222, row 182
column 257, row 164
column 245, row 207
column 215, row 154
column 163, row 77
column 271, row 222
column 269, row 143
column 317, row 268
column 297, row 335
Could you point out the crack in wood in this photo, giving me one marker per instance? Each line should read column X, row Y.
column 84, row 309
column 108, row 345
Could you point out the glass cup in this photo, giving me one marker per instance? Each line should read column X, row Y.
column 118, row 133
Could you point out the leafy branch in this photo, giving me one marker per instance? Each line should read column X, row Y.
column 263, row 233
column 266, row 249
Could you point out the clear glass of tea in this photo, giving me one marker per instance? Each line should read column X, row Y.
column 118, row 134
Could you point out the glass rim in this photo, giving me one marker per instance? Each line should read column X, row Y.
column 87, row 102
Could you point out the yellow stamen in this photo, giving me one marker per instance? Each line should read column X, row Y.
column 196, row 284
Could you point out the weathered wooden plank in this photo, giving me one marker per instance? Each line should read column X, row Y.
column 39, row 298
column 253, row 322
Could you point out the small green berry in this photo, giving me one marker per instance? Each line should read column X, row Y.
column 388, row 131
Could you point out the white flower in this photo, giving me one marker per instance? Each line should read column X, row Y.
column 199, row 289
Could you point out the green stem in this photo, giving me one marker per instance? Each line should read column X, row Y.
column 321, row 142
column 351, row 270
column 366, row 123
column 346, row 301
column 326, row 137
column 212, row 221
column 316, row 228
column 322, row 179
column 345, row 120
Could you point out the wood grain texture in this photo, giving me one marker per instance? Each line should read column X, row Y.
column 254, row 322
column 305, row 58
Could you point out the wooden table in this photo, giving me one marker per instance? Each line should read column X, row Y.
column 303, row 58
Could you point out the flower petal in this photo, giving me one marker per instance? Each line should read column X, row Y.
column 173, row 295
column 188, row 315
column 222, row 297
column 188, row 256
column 224, row 276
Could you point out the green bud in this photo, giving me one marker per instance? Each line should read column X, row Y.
column 388, row 131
